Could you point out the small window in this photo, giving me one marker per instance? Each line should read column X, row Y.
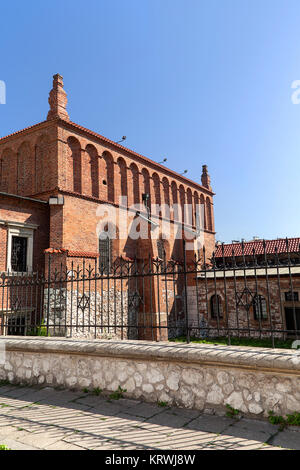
column 19, row 254
column 260, row 308
column 161, row 249
column 16, row 325
column 291, row 296
column 105, row 253
column 216, row 307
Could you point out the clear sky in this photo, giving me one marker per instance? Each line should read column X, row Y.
column 195, row 81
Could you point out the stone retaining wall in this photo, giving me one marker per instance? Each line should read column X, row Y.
column 252, row 380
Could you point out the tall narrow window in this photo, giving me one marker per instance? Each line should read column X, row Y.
column 260, row 308
column 19, row 254
column 105, row 253
column 161, row 249
column 216, row 307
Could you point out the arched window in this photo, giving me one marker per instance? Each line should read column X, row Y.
column 105, row 253
column 216, row 309
column 260, row 307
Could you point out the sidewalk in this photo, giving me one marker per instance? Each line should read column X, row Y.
column 49, row 419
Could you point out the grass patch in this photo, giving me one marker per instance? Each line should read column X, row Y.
column 255, row 342
column 231, row 412
column 97, row 391
column 117, row 394
column 3, row 447
column 162, row 404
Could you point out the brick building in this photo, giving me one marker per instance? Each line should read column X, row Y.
column 57, row 178
column 250, row 289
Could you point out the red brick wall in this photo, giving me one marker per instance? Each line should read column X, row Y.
column 55, row 157
column 17, row 210
column 236, row 316
column 28, row 161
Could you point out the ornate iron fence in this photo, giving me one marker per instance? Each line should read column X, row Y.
column 225, row 297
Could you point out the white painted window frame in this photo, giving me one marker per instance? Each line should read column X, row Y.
column 25, row 233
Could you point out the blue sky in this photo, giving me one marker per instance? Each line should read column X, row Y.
column 198, row 82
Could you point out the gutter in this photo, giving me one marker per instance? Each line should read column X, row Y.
column 23, row 198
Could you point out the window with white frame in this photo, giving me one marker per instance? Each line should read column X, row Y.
column 19, row 249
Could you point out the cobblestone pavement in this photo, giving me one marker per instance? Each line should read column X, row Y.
column 32, row 418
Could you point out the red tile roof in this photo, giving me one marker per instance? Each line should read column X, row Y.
column 71, row 253
column 258, row 245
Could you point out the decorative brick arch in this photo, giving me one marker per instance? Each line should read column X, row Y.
column 74, row 165
column 7, row 175
column 174, row 200
column 92, row 171
column 182, row 202
column 190, row 212
column 166, row 196
column 41, row 163
column 110, row 176
column 146, row 183
column 122, row 176
column 135, row 183
column 203, row 212
column 156, row 187
column 24, row 170
column 209, row 214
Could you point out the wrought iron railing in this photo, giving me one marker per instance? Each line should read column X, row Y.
column 223, row 298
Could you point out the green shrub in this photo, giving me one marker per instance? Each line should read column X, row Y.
column 39, row 330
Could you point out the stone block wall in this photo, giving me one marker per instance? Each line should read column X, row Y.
column 252, row 380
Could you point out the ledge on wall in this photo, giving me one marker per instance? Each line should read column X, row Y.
column 242, row 357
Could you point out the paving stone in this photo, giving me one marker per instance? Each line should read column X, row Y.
column 213, row 423
column 62, row 445
column 146, row 410
column 13, row 402
column 16, row 392
column 15, row 445
column 126, row 425
column 252, row 429
column 287, row 439
column 233, row 443
column 168, row 418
